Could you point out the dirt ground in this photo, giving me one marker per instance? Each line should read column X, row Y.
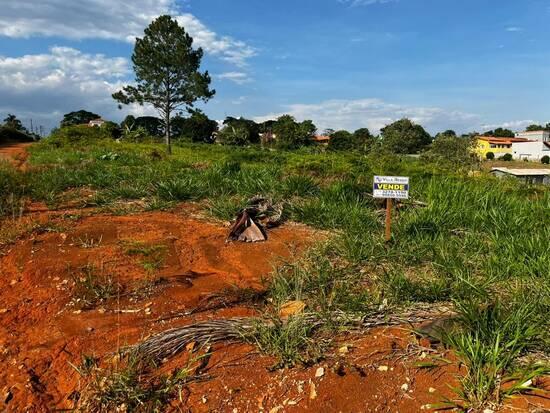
column 165, row 264
column 16, row 153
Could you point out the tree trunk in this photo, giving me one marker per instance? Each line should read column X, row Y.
column 167, row 133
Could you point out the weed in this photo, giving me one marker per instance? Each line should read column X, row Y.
column 132, row 387
column 92, row 286
column 152, row 257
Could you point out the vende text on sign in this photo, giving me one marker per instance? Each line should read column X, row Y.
column 393, row 187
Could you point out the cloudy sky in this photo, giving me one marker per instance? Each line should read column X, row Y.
column 466, row 65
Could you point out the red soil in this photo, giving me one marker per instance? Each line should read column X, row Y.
column 16, row 153
column 41, row 332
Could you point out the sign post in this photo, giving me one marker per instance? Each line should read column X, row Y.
column 390, row 188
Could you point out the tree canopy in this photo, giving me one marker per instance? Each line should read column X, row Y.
column 405, row 137
column 500, row 133
column 291, row 134
column 537, row 127
column 167, row 72
column 197, row 127
column 79, row 117
column 452, row 151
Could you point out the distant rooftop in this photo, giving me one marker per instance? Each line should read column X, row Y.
column 522, row 171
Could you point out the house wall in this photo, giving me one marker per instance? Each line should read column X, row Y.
column 532, row 151
column 483, row 147
column 541, row 136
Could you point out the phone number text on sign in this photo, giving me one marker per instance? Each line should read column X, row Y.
column 395, row 187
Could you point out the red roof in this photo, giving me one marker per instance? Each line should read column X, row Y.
column 495, row 139
column 321, row 138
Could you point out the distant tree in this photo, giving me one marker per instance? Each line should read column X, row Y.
column 253, row 129
column 545, row 159
column 12, row 122
column 128, row 123
column 197, row 128
column 167, row 72
column 534, row 127
column 364, row 140
column 500, row 133
column 490, row 156
column 112, row 129
column 153, row 125
column 291, row 134
column 328, row 132
column 506, row 157
column 342, row 141
column 452, row 151
column 447, row 134
column 405, row 137
column 238, row 135
column 78, row 118
column 266, row 127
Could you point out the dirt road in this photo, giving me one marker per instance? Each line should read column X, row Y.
column 15, row 153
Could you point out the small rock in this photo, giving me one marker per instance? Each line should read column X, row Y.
column 77, row 311
column 312, row 391
column 3, row 310
column 382, row 368
column 343, row 350
column 488, row 411
column 7, row 396
column 431, row 390
column 13, row 282
column 320, row 372
column 276, row 409
column 405, row 387
column 89, row 329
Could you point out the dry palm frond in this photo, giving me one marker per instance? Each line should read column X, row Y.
column 171, row 342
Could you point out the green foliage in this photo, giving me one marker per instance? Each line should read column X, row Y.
column 167, row 71
column 506, row 157
column 446, row 134
column 364, row 140
column 251, row 128
column 452, row 151
column 488, row 340
column 196, row 128
column 8, row 135
column 534, row 128
column 342, row 141
column 290, row 341
column 234, row 135
column 490, row 156
column 500, row 133
column 545, row 160
column 78, row 134
column 405, row 137
column 291, row 134
column 80, row 117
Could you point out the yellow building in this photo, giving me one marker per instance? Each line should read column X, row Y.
column 498, row 146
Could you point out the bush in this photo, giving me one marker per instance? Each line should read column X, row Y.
column 545, row 159
column 506, row 157
column 8, row 134
column 490, row 156
column 234, row 135
column 78, row 134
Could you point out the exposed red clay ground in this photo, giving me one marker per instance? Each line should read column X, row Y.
column 42, row 331
column 16, row 153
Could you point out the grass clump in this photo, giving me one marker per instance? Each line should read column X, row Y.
column 130, row 387
column 93, row 286
column 488, row 340
column 152, row 257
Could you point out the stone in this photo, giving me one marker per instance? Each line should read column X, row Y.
column 382, row 368
column 320, row 372
column 312, row 391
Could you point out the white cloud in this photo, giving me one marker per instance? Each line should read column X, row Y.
column 45, row 86
column 516, row 125
column 514, row 29
column 238, row 77
column 375, row 114
column 122, row 20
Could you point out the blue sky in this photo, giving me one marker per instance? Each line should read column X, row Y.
column 467, row 65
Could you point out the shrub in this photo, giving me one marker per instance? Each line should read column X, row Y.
column 80, row 134
column 545, row 159
column 506, row 157
column 234, row 135
column 490, row 156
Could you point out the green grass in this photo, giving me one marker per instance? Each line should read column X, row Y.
column 478, row 238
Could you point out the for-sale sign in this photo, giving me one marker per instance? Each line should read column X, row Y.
column 393, row 187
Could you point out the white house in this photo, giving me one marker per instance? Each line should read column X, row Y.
column 531, row 151
column 96, row 122
column 538, row 135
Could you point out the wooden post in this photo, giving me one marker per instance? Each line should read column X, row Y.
column 388, row 219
